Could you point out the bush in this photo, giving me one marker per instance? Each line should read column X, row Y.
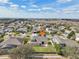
column 63, row 30
column 58, row 48
column 1, row 40
column 49, row 43
column 2, row 37
column 47, row 33
column 3, row 52
column 25, row 40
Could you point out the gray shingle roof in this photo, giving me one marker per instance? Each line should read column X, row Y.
column 10, row 41
column 68, row 42
column 40, row 38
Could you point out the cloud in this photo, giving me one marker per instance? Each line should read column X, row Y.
column 32, row 9
column 4, row 1
column 69, row 12
column 71, row 9
column 63, row 1
column 10, row 3
column 35, row 6
column 23, row 6
column 11, row 13
column 47, row 8
column 14, row 6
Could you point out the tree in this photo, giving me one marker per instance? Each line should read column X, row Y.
column 59, row 33
column 71, row 52
column 26, row 39
column 71, row 35
column 68, row 27
column 58, row 48
column 54, row 32
column 21, row 52
column 63, row 30
column 2, row 37
column 29, row 28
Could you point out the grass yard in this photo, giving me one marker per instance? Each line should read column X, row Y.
column 49, row 48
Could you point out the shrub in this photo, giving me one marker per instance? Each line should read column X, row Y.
column 58, row 48
column 25, row 40
column 49, row 43
column 3, row 52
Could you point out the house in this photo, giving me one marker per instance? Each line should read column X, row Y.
column 35, row 29
column 61, row 27
column 77, row 36
column 56, row 39
column 23, row 30
column 1, row 31
column 11, row 42
column 73, row 29
column 34, row 34
column 49, row 30
column 65, row 34
column 8, row 29
column 21, row 35
column 49, row 36
column 39, row 40
column 42, row 33
column 64, row 42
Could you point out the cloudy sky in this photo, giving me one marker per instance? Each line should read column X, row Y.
column 39, row 9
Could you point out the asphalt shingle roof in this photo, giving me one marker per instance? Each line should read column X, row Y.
column 10, row 41
column 68, row 42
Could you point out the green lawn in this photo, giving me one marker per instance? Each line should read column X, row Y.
column 49, row 48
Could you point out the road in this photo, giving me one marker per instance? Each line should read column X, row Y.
column 47, row 56
column 4, row 57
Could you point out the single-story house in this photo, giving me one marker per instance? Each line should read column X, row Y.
column 37, row 40
column 66, row 42
column 11, row 42
column 77, row 37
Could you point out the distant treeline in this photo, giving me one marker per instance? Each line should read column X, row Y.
column 30, row 19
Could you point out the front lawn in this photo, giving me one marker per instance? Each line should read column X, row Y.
column 49, row 48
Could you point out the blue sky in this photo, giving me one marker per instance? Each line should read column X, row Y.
column 39, row 9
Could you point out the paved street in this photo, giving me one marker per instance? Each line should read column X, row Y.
column 49, row 56
column 4, row 57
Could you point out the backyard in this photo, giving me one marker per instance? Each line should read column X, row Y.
column 49, row 48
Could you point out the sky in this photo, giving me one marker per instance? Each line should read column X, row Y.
column 39, row 9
